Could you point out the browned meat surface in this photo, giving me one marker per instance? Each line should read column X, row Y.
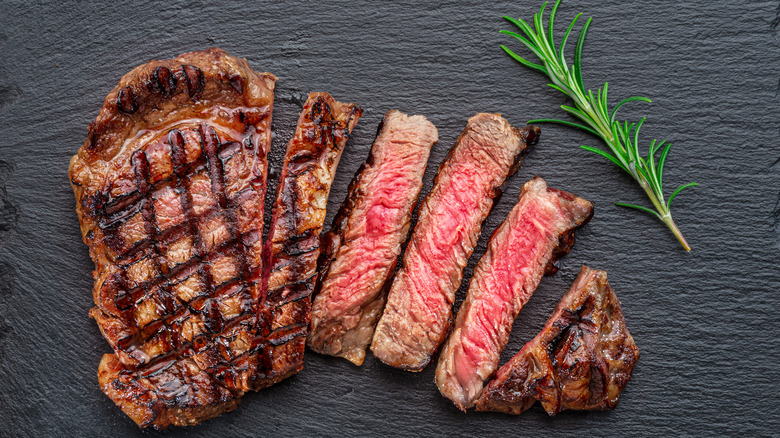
column 419, row 305
column 538, row 230
column 293, row 241
column 360, row 251
column 179, row 393
column 581, row 360
column 169, row 191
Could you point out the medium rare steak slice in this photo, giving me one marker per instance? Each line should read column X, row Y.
column 360, row 251
column 169, row 188
column 581, row 360
column 419, row 304
column 538, row 231
column 293, row 242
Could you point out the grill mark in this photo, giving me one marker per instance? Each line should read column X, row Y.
column 123, row 203
column 212, row 319
column 196, row 82
column 292, row 285
column 141, row 168
column 292, row 250
column 213, row 149
column 178, row 153
column 119, row 210
column 287, row 334
column 125, row 100
column 164, row 81
column 227, row 150
column 298, row 295
column 210, row 143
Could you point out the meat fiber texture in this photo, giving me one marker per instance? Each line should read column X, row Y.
column 581, row 360
column 538, row 230
column 419, row 305
column 360, row 252
column 293, row 243
column 170, row 187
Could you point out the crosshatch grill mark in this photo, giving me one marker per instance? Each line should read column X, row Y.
column 205, row 307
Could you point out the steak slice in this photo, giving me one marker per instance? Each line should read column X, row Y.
column 581, row 360
column 293, row 242
column 360, row 252
column 539, row 230
column 419, row 304
column 170, row 188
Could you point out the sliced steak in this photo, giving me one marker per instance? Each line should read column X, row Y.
column 581, row 360
column 360, row 251
column 419, row 304
column 538, row 231
column 293, row 242
column 169, row 191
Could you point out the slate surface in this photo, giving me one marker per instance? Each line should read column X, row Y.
column 705, row 322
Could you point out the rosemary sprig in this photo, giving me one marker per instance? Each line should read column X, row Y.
column 621, row 138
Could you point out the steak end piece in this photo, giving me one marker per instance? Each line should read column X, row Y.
column 359, row 253
column 581, row 360
column 539, row 229
column 293, row 243
column 170, row 186
column 177, row 393
column 417, row 316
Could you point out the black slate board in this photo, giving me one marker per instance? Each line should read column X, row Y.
column 705, row 321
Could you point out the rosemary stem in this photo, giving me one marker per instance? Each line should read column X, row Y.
column 676, row 231
column 664, row 214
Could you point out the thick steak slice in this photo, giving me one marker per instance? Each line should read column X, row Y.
column 293, row 242
column 169, row 191
column 419, row 304
column 360, row 251
column 581, row 360
column 538, row 231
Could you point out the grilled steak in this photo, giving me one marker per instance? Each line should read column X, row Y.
column 360, row 251
column 538, row 231
column 581, row 360
column 419, row 304
column 169, row 187
column 293, row 241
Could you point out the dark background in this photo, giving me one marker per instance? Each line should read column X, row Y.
column 705, row 321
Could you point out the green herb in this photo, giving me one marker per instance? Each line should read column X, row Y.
column 622, row 138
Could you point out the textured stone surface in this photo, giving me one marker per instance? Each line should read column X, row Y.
column 704, row 321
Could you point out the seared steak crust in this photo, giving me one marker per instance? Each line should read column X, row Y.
column 359, row 253
column 542, row 221
column 419, row 305
column 581, row 360
column 292, row 247
column 181, row 393
column 169, row 191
